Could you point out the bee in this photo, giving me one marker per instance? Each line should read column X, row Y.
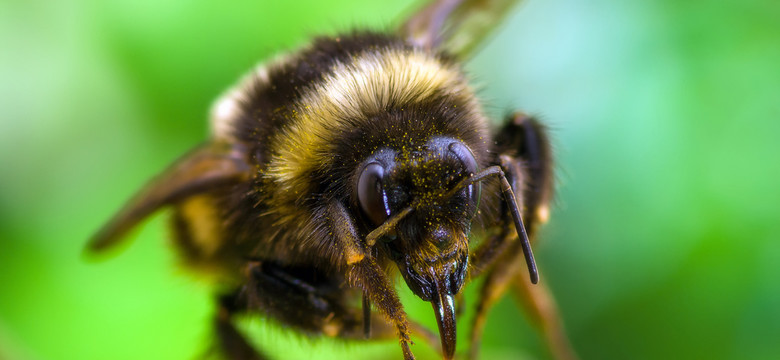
column 362, row 156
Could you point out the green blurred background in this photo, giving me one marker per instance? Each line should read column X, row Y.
column 666, row 115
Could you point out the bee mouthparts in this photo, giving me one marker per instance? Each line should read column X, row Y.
column 444, row 308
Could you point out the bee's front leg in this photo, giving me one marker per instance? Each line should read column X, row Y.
column 366, row 274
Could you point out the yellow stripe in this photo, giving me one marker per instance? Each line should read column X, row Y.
column 204, row 225
column 366, row 86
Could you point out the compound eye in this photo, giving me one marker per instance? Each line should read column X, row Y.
column 465, row 156
column 371, row 195
column 473, row 191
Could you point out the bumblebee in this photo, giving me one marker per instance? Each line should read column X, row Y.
column 359, row 157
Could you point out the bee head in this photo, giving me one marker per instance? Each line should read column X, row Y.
column 430, row 243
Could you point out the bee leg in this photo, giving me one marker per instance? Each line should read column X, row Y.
column 232, row 344
column 315, row 305
column 526, row 160
column 303, row 298
column 366, row 274
column 530, row 143
column 369, row 276
column 541, row 308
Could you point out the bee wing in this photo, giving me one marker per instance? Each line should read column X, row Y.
column 206, row 168
column 456, row 26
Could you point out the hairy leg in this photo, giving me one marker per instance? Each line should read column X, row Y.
column 525, row 156
column 300, row 298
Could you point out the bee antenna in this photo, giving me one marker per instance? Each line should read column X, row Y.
column 525, row 243
column 388, row 225
column 511, row 200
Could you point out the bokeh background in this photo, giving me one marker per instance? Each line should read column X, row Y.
column 666, row 119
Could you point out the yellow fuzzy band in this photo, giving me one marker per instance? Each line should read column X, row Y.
column 345, row 99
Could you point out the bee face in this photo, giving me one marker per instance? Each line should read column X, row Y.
column 430, row 245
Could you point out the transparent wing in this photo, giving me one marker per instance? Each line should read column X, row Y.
column 206, row 168
column 456, row 26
